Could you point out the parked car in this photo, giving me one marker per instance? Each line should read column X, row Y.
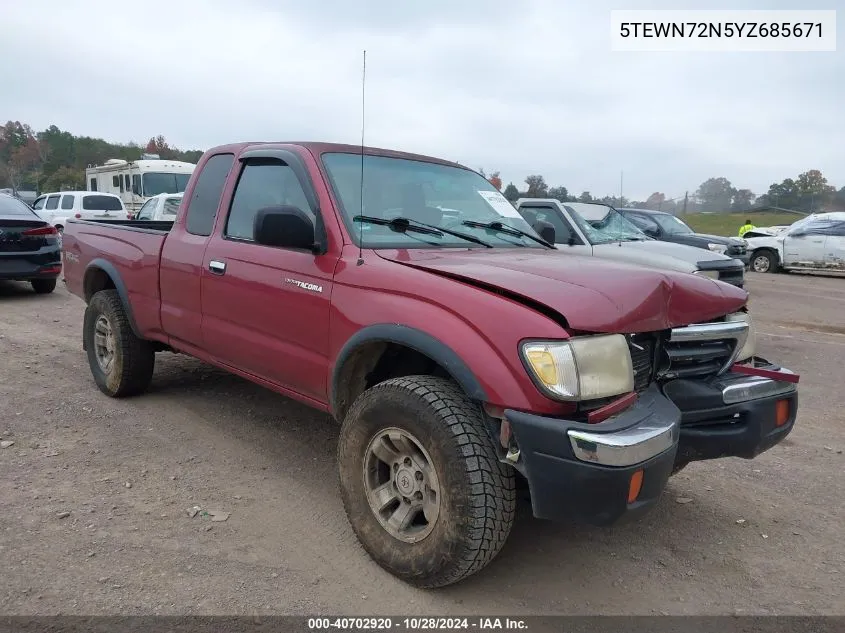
column 461, row 354
column 815, row 243
column 669, row 228
column 57, row 208
column 161, row 207
column 599, row 230
column 29, row 246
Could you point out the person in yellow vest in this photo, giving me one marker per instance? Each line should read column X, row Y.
column 745, row 228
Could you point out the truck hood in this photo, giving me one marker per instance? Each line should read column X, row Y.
column 654, row 253
column 590, row 294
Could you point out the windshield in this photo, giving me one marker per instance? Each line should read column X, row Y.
column 671, row 225
column 156, row 183
column 603, row 224
column 429, row 193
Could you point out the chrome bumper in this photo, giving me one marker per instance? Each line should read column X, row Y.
column 625, row 448
column 754, row 387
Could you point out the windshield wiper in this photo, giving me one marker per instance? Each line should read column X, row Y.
column 409, row 224
column 506, row 229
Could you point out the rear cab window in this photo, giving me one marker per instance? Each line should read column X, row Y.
column 205, row 197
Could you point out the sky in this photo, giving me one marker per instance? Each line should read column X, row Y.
column 527, row 87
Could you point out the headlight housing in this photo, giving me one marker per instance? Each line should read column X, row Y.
column 581, row 368
column 713, row 274
column 718, row 248
column 750, row 345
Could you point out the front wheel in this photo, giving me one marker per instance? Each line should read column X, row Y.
column 121, row 363
column 421, row 483
column 764, row 262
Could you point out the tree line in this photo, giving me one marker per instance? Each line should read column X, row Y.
column 809, row 192
column 55, row 160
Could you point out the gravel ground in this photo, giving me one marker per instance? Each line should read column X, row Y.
column 95, row 493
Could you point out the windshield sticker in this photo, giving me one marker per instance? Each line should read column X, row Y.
column 500, row 204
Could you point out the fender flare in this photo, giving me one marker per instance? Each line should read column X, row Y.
column 109, row 269
column 415, row 339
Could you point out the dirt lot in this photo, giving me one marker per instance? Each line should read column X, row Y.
column 762, row 536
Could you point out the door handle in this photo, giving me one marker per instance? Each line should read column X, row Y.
column 217, row 267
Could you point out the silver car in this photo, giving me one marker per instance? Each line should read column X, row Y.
column 599, row 230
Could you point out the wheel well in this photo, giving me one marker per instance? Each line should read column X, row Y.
column 767, row 249
column 96, row 279
column 375, row 362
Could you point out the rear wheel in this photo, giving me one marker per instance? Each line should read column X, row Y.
column 764, row 261
column 421, row 482
column 121, row 363
column 43, row 286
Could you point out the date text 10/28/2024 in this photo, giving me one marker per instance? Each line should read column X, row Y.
column 378, row 624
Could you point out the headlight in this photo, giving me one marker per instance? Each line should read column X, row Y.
column 748, row 349
column 582, row 368
column 713, row 274
column 718, row 248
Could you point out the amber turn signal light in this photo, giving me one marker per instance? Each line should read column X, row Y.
column 635, row 486
column 781, row 412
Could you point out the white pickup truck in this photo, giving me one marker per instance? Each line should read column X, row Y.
column 161, row 207
column 599, row 230
column 815, row 243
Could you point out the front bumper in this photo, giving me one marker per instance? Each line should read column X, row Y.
column 583, row 472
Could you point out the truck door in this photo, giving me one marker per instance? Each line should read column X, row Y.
column 834, row 246
column 266, row 309
column 180, row 277
column 805, row 244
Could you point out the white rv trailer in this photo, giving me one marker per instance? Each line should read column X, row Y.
column 137, row 181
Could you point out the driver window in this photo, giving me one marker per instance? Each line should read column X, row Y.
column 563, row 232
column 263, row 183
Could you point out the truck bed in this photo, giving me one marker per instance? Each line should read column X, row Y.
column 128, row 252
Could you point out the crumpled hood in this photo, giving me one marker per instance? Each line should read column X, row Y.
column 591, row 294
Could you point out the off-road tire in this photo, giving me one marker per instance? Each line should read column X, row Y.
column 478, row 500
column 43, row 286
column 134, row 358
column 769, row 255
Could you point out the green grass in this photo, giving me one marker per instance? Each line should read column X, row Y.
column 728, row 224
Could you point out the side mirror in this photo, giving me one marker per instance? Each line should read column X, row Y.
column 284, row 226
column 655, row 233
column 545, row 230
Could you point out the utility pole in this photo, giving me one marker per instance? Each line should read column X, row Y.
column 686, row 197
column 621, row 180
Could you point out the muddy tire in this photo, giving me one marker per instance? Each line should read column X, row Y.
column 764, row 261
column 121, row 363
column 421, row 483
column 43, row 286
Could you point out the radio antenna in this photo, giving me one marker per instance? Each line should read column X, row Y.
column 363, row 122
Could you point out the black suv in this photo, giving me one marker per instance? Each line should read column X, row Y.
column 668, row 228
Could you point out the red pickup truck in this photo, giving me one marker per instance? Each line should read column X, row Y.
column 464, row 356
